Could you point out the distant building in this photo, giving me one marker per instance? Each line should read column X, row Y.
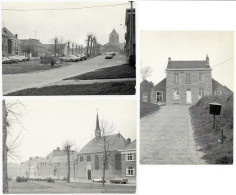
column 145, row 91
column 130, row 46
column 113, row 45
column 186, row 82
column 91, row 157
column 10, row 43
column 61, row 49
column 33, row 48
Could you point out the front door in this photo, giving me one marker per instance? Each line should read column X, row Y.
column 89, row 174
column 188, row 96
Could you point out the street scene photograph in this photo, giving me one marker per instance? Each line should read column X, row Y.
column 186, row 97
column 69, row 146
column 68, row 48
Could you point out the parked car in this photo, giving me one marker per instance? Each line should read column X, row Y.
column 6, row 60
column 70, row 58
column 84, row 57
column 119, row 180
column 99, row 180
column 113, row 53
column 24, row 58
column 16, row 58
column 108, row 56
column 79, row 56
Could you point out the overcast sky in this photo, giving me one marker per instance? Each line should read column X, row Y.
column 48, row 123
column 72, row 25
column 157, row 46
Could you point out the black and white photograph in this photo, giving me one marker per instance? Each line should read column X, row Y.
column 75, row 146
column 68, row 48
column 186, row 97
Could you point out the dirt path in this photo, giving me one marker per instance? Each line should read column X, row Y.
column 166, row 137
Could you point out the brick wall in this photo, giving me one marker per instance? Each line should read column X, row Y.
column 194, row 86
column 126, row 164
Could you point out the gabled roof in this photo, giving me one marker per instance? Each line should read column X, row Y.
column 146, row 83
column 131, row 146
column 187, row 64
column 7, row 33
column 160, row 86
column 34, row 42
column 113, row 32
column 116, row 142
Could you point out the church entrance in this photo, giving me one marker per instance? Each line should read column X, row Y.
column 89, row 174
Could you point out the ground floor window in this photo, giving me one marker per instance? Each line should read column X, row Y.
column 159, row 96
column 145, row 97
column 218, row 92
column 201, row 92
column 130, row 171
column 176, row 94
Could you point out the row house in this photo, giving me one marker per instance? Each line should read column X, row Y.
column 10, row 43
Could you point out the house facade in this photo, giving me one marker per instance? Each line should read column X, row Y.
column 10, row 43
column 93, row 158
column 186, row 82
column 145, row 91
column 33, row 48
column 128, row 159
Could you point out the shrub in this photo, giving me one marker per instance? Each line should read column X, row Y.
column 21, row 179
column 50, row 180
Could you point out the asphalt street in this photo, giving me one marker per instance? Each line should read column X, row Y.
column 16, row 82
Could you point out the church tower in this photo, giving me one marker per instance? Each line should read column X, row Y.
column 114, row 38
column 97, row 130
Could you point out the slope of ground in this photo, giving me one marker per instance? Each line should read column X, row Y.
column 207, row 138
column 148, row 108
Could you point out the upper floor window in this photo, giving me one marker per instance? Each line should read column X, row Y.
column 159, row 96
column 218, row 92
column 96, row 162
column 201, row 77
column 188, row 80
column 176, row 94
column 88, row 158
column 176, row 78
column 201, row 92
column 129, row 157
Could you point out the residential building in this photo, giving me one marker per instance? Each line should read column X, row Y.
column 130, row 46
column 93, row 158
column 186, row 82
column 128, row 159
column 10, row 43
column 145, row 91
column 33, row 48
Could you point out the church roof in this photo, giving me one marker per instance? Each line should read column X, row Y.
column 115, row 141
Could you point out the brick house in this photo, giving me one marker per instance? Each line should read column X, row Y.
column 91, row 157
column 10, row 43
column 128, row 159
column 33, row 48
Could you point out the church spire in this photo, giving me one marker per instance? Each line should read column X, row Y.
column 97, row 130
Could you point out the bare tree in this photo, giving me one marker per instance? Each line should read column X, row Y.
column 107, row 129
column 89, row 37
column 55, row 40
column 146, row 72
column 11, row 112
column 68, row 47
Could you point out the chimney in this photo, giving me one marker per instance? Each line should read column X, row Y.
column 128, row 140
column 16, row 35
column 169, row 59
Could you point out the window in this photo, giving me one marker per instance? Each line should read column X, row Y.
column 201, row 92
column 176, row 78
column 129, row 157
column 145, row 97
column 159, row 96
column 81, row 158
column 188, row 80
column 201, row 78
column 130, row 171
column 96, row 162
column 176, row 94
column 88, row 158
column 118, row 161
column 218, row 92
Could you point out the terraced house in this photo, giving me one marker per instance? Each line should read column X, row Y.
column 186, row 82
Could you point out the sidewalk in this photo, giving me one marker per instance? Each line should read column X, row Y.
column 166, row 137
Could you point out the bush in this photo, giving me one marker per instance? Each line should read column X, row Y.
column 21, row 179
column 50, row 180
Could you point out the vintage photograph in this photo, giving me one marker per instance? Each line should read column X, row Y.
column 69, row 146
column 186, row 97
column 68, row 48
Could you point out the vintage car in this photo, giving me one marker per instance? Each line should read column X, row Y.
column 119, row 180
column 108, row 56
column 6, row 60
column 70, row 58
column 99, row 180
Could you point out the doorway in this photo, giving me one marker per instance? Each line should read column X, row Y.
column 188, row 96
column 89, row 174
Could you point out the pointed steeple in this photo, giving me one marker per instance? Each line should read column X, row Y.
column 97, row 130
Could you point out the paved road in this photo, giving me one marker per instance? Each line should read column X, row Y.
column 166, row 137
column 16, row 82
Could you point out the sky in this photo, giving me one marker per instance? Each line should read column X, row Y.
column 47, row 124
column 157, row 46
column 70, row 25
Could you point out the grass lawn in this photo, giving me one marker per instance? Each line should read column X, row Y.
column 24, row 67
column 63, row 187
column 115, row 72
column 148, row 108
column 215, row 152
column 111, row 88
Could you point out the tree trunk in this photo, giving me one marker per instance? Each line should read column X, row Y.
column 68, row 165
column 104, row 162
column 4, row 148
